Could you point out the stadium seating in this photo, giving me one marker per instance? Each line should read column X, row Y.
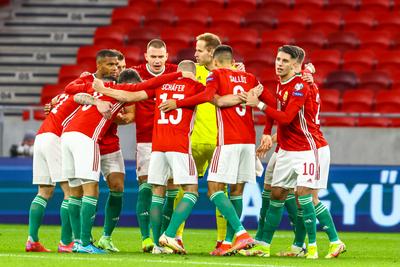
column 109, row 36
column 388, row 101
column 376, row 5
column 341, row 80
column 375, row 80
column 374, row 122
column 310, row 40
column 309, row 4
column 342, row 5
column 359, row 100
column 343, row 40
column 327, row 58
column 69, row 73
column 355, row 21
column 330, row 99
column 359, row 61
column 287, row 19
column 339, row 121
column 326, row 21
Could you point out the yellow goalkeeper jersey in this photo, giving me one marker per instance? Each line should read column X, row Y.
column 205, row 124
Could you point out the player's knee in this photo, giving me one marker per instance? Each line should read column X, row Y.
column 46, row 191
column 115, row 182
column 142, row 179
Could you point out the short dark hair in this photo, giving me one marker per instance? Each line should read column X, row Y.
column 120, row 56
column 105, row 53
column 223, row 53
column 291, row 50
column 129, row 76
column 302, row 54
column 156, row 43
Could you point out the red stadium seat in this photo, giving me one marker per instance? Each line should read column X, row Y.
column 358, row 61
column 268, row 78
column 69, row 73
column 259, row 60
column 309, row 4
column 326, row 21
column 176, row 4
column 159, row 18
column 292, row 20
column 144, row 3
column 343, row 41
column 360, row 100
column 375, row 40
column 141, row 36
column 276, row 38
column 388, row 101
column 187, row 53
column 376, row 5
column 109, row 36
column 225, row 19
column 388, row 22
column 327, row 58
column 243, row 38
column 177, row 36
column 388, row 60
column 375, row 80
column 339, row 121
column 374, row 122
column 277, row 5
column 244, row 5
column 49, row 91
column 209, row 4
column 355, row 21
column 310, row 40
column 330, row 100
column 127, row 16
column 197, row 17
column 341, row 80
column 342, row 5
column 133, row 55
column 39, row 115
column 260, row 20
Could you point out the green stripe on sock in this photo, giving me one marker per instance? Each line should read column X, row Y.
column 216, row 194
column 145, row 186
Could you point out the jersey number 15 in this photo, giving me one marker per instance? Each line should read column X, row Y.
column 171, row 118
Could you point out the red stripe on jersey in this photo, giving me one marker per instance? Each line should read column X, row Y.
column 191, row 167
column 95, row 158
column 103, row 121
column 220, row 127
column 214, row 166
column 69, row 118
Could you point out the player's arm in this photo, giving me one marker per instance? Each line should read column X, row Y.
column 80, row 85
column 120, row 95
column 126, row 115
column 104, row 107
column 226, row 100
column 296, row 102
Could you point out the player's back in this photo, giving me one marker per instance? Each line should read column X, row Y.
column 171, row 131
column 303, row 132
column 145, row 109
column 235, row 124
column 89, row 121
column 59, row 114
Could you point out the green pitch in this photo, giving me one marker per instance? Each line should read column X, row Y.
column 364, row 249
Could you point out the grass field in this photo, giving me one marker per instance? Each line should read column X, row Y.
column 364, row 249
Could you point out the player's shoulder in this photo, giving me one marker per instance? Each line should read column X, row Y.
column 140, row 67
column 298, row 84
column 169, row 67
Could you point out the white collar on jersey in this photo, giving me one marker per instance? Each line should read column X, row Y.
column 154, row 74
column 288, row 81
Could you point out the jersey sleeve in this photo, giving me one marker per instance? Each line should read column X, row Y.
column 80, row 85
column 150, row 84
column 206, row 95
column 296, row 102
column 268, row 125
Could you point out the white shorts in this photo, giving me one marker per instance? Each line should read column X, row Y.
column 233, row 164
column 270, row 169
column 143, row 152
column 47, row 160
column 180, row 166
column 112, row 162
column 80, row 159
column 302, row 168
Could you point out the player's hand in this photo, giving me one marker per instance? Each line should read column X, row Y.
column 85, row 73
column 310, row 67
column 98, row 85
column 168, row 105
column 104, row 107
column 188, row 74
column 308, row 77
column 252, row 99
column 265, row 145
column 47, row 108
column 258, row 89
column 243, row 96
column 240, row 66
column 275, row 138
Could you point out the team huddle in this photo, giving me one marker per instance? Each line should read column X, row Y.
column 190, row 118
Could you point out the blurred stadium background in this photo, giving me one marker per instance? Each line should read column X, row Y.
column 354, row 45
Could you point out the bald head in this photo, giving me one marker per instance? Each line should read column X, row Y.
column 187, row 65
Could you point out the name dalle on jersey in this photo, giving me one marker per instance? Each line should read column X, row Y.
column 238, row 79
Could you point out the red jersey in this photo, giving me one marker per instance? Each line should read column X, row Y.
column 91, row 123
column 145, row 109
column 235, row 124
column 172, row 130
column 298, row 120
column 64, row 109
column 110, row 141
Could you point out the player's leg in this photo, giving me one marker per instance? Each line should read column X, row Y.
column 113, row 168
column 42, row 178
column 170, row 200
column 144, row 194
column 324, row 217
column 291, row 208
column 66, row 243
column 74, row 210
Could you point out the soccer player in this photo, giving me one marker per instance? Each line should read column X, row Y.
column 47, row 172
column 156, row 64
column 112, row 162
column 303, row 157
column 234, row 158
column 324, row 217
